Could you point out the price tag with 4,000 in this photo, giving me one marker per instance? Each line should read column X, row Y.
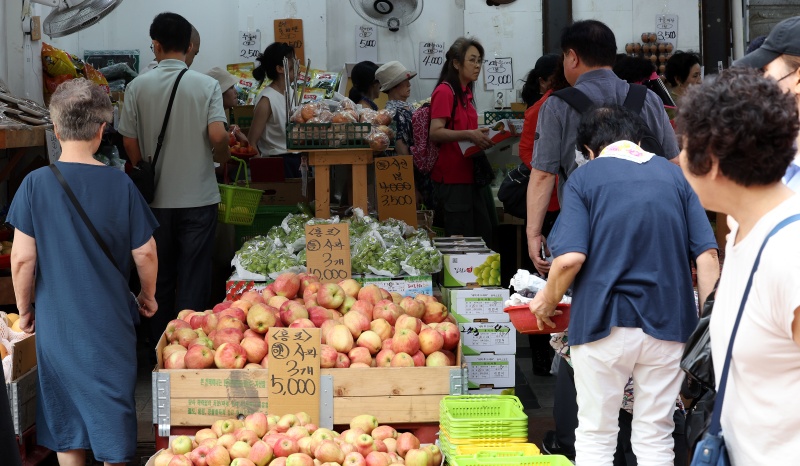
column 293, row 383
column 394, row 178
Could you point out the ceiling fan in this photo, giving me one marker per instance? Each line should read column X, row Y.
column 71, row 16
column 392, row 14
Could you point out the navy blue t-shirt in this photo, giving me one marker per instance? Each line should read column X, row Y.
column 639, row 225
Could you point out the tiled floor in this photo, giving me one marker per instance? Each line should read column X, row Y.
column 536, row 394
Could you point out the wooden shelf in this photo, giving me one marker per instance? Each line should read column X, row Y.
column 12, row 138
column 322, row 160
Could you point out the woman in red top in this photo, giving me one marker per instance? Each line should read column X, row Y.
column 461, row 207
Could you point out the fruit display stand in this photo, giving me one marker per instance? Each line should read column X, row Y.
column 323, row 159
column 406, row 397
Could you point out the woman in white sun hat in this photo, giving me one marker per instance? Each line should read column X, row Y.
column 395, row 81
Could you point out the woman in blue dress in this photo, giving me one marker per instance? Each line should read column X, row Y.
column 84, row 315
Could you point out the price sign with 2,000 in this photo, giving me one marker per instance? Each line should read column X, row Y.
column 328, row 251
column 294, row 376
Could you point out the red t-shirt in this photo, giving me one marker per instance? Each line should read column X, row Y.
column 452, row 167
column 528, row 138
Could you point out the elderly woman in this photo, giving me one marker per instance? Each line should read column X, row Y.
column 395, row 81
column 739, row 135
column 629, row 225
column 86, row 385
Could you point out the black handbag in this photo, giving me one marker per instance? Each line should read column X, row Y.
column 143, row 174
column 513, row 191
column 482, row 171
column 696, row 360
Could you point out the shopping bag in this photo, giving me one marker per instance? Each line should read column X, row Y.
column 711, row 451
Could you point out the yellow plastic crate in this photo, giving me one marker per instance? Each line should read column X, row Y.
column 489, row 460
column 511, row 449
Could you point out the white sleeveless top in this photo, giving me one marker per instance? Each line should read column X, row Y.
column 273, row 139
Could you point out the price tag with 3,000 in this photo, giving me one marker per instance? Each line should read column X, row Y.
column 294, row 377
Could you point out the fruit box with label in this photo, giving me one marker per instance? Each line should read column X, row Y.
column 22, row 388
column 491, row 370
column 235, row 287
column 406, row 286
column 481, row 304
column 395, row 395
column 487, row 337
column 467, row 266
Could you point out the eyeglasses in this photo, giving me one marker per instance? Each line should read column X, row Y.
column 787, row 75
column 475, row 61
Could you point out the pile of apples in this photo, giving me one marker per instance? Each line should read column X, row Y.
column 359, row 326
column 292, row 440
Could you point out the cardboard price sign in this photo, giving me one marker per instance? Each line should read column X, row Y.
column 431, row 59
column 291, row 32
column 328, row 251
column 249, row 44
column 498, row 73
column 294, row 372
column 394, row 180
column 667, row 29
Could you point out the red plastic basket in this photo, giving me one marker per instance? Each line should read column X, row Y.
column 525, row 322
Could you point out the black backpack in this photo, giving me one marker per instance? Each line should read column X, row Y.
column 634, row 102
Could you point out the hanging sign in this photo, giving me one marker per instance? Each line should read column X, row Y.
column 293, row 380
column 431, row 59
column 366, row 44
column 249, row 45
column 394, row 180
column 498, row 74
column 667, row 29
column 328, row 251
column 291, row 31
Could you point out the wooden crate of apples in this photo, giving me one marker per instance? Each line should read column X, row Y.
column 292, row 440
column 409, row 345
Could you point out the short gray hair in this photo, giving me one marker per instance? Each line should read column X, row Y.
column 78, row 108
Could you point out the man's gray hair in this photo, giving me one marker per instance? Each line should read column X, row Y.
column 78, row 108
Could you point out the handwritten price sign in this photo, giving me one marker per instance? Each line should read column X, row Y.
column 498, row 74
column 293, row 382
column 366, row 44
column 328, row 251
column 394, row 179
column 249, row 45
column 667, row 29
column 431, row 59
column 291, row 32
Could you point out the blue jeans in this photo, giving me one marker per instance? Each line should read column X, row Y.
column 185, row 242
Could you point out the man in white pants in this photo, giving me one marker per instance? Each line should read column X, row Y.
column 629, row 225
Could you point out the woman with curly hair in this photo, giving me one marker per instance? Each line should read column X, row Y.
column 739, row 132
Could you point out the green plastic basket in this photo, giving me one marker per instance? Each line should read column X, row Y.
column 541, row 460
column 490, row 117
column 478, row 410
column 238, row 204
column 267, row 216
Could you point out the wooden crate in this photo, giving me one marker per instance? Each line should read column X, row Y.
column 22, row 389
column 189, row 397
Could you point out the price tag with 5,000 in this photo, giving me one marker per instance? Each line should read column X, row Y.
column 293, row 384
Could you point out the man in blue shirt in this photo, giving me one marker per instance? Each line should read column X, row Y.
column 629, row 226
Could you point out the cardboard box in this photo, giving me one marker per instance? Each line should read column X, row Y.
column 485, row 337
column 453, row 241
column 491, row 391
column 198, row 397
column 460, row 265
column 406, row 286
column 477, row 304
column 491, row 370
column 288, row 192
column 242, row 115
column 24, row 380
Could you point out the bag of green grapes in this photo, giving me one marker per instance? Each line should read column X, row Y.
column 251, row 260
column 423, row 260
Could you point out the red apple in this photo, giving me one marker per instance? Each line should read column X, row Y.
column 382, row 328
column 405, row 341
column 185, row 336
column 176, row 360
column 230, row 356
column 434, row 312
column 256, row 349
column 347, row 304
column 450, row 333
column 285, row 447
column 221, row 306
column 412, row 307
column 330, row 296
column 363, row 306
column 437, row 359
column 340, row 338
column 222, row 427
column 370, row 293
column 419, row 359
column 277, row 301
column 299, row 459
column 287, row 284
column 291, row 311
column 405, row 442
column 174, row 325
column 234, row 312
column 180, row 460
column 351, row 287
column 371, row 341
column 430, row 341
column 199, row 357
column 239, row 449
column 417, row 457
column 408, row 322
column 354, row 459
column 329, row 452
column 376, row 458
column 359, row 354
column 218, row 456
column 342, row 361
column 385, row 309
column 260, row 453
column 319, row 315
column 356, row 322
column 325, row 328
column 402, row 360
column 210, row 323
column 384, row 357
column 384, row 432
column 302, row 323
column 227, row 335
column 261, row 317
column 327, row 356
column 451, row 357
column 185, row 314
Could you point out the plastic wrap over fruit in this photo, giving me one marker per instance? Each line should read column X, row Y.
column 425, row 260
column 388, row 263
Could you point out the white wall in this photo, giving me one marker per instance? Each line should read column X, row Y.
column 630, row 18
column 329, row 31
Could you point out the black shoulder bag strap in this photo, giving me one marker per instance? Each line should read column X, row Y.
column 83, row 215
column 166, row 116
column 634, row 101
column 575, row 98
column 452, row 121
